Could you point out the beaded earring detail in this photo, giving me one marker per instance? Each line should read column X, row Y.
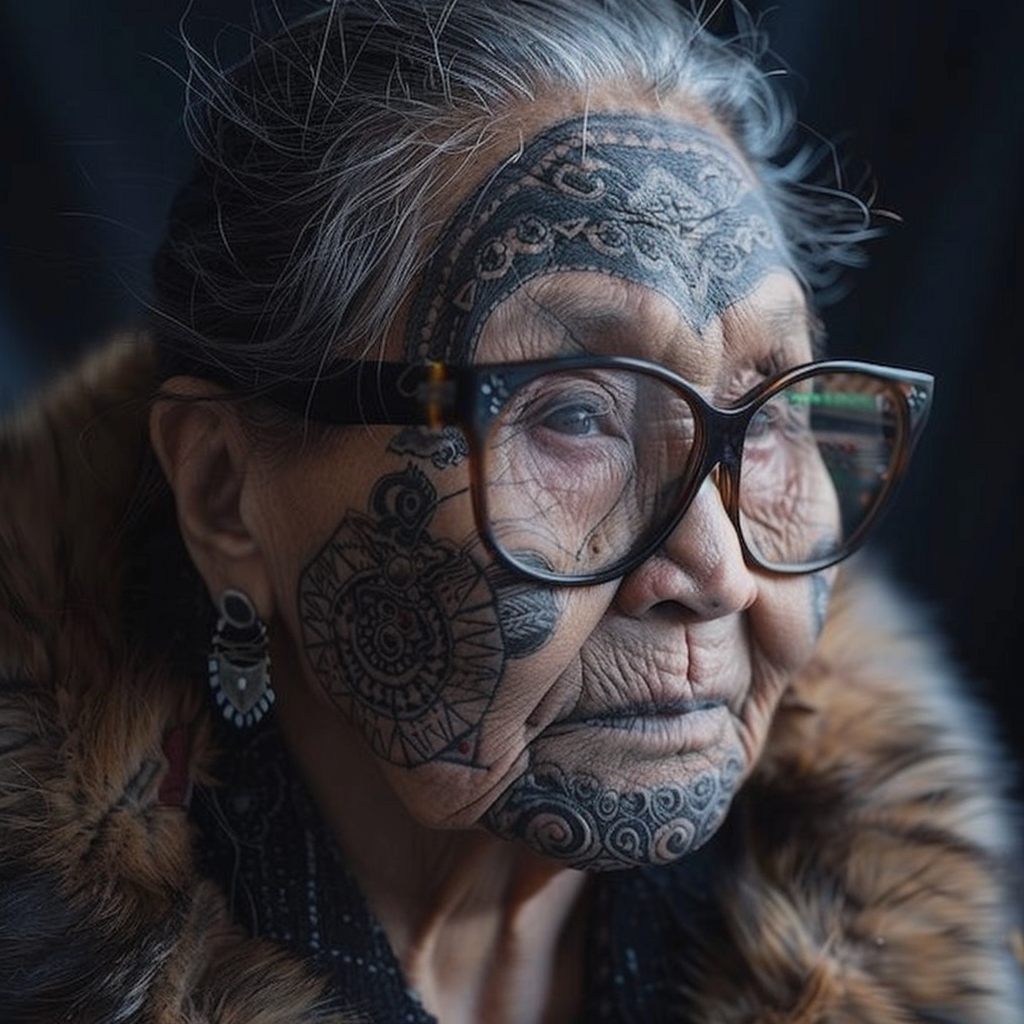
column 239, row 661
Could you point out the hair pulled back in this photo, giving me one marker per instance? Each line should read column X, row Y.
column 320, row 156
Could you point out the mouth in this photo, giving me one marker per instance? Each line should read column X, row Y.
column 670, row 727
column 630, row 716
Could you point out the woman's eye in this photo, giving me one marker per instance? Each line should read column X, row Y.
column 574, row 420
column 783, row 419
column 764, row 420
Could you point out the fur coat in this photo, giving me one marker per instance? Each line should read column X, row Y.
column 873, row 882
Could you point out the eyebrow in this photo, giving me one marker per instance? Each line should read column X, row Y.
column 577, row 317
column 798, row 319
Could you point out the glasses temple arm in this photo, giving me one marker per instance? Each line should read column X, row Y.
column 372, row 393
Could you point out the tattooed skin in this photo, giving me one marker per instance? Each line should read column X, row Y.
column 408, row 633
column 445, row 447
column 402, row 629
column 821, row 588
column 528, row 613
column 578, row 821
column 652, row 201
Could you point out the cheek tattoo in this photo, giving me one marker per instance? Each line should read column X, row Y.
column 645, row 199
column 444, row 447
column 407, row 634
column 402, row 629
column 822, row 591
column 529, row 612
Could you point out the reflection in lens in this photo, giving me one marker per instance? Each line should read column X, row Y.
column 816, row 461
column 581, row 465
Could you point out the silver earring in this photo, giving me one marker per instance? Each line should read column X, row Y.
column 239, row 662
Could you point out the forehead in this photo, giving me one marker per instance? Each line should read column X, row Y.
column 658, row 202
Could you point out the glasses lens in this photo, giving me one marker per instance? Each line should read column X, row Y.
column 817, row 461
column 581, row 466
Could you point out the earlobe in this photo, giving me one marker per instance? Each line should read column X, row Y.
column 201, row 448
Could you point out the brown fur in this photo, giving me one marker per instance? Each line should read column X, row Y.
column 868, row 874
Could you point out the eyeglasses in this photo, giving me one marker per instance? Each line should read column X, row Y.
column 582, row 466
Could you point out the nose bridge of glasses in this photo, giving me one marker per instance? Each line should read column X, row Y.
column 724, row 481
column 722, row 450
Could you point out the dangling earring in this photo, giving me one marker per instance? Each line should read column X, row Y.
column 239, row 662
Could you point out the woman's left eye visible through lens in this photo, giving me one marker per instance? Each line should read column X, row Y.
column 570, row 407
column 576, row 419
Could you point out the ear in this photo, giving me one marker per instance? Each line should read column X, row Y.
column 205, row 456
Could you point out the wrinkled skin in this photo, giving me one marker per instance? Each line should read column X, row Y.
column 603, row 726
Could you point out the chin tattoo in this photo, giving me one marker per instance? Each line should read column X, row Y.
column 571, row 817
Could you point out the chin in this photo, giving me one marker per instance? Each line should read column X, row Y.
column 572, row 816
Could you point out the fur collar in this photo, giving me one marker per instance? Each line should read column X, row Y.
column 869, row 874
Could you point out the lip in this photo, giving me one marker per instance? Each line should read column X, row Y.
column 624, row 714
column 669, row 728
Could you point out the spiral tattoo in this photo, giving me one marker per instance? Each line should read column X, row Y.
column 574, row 819
column 402, row 629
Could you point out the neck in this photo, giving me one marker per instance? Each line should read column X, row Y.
column 484, row 929
column 500, row 937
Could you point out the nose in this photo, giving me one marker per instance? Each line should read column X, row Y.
column 699, row 568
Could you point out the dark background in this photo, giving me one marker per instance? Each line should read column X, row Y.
column 930, row 93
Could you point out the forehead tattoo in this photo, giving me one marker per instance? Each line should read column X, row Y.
column 648, row 200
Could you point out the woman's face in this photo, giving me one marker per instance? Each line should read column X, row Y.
column 604, row 726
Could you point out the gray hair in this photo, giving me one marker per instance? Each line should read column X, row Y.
column 321, row 156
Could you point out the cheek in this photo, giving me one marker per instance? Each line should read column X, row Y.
column 446, row 663
column 401, row 628
column 409, row 625
column 821, row 594
column 543, row 682
column 783, row 629
column 786, row 621
column 797, row 521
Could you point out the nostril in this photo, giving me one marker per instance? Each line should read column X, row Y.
column 674, row 613
column 719, row 602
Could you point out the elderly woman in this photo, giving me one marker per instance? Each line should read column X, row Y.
column 437, row 618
